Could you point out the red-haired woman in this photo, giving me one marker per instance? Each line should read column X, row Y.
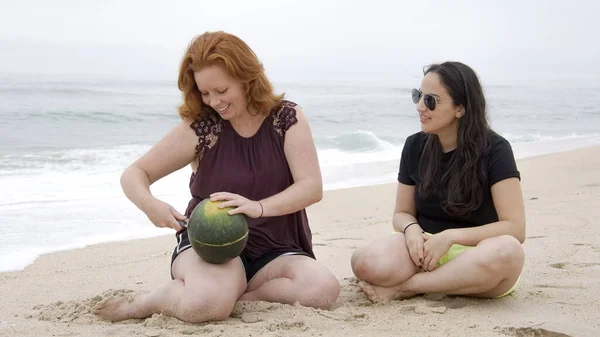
column 248, row 149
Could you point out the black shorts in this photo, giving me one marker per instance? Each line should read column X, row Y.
column 251, row 266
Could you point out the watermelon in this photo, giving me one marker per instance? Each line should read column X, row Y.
column 216, row 236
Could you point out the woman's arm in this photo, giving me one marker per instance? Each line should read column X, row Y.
column 175, row 150
column 508, row 201
column 301, row 155
column 405, row 210
column 404, row 220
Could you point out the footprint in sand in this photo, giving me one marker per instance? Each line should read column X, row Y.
column 557, row 286
column 530, row 332
column 567, row 265
column 560, row 265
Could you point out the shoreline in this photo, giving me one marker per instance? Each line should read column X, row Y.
column 78, row 246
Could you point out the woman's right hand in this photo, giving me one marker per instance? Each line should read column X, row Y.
column 414, row 241
column 162, row 214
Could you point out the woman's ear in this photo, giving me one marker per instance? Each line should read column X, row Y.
column 460, row 112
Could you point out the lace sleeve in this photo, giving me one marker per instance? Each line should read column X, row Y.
column 285, row 117
column 208, row 131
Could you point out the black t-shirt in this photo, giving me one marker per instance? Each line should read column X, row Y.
column 430, row 214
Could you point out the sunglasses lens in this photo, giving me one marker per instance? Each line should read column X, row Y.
column 428, row 99
column 416, row 96
column 429, row 102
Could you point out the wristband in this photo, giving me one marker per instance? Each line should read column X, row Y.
column 410, row 224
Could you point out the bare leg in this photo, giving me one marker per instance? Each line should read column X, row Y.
column 384, row 262
column 200, row 292
column 136, row 305
column 488, row 270
column 294, row 278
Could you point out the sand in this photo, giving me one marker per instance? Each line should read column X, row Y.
column 558, row 294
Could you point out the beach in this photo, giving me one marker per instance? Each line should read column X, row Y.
column 88, row 88
column 557, row 295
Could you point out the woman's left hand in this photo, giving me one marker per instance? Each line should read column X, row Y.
column 251, row 208
column 434, row 247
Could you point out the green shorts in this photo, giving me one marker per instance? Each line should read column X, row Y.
column 454, row 251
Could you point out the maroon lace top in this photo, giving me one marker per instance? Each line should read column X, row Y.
column 256, row 168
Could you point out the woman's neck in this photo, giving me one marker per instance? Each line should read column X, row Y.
column 247, row 124
column 449, row 138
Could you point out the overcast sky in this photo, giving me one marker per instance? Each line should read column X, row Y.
column 303, row 40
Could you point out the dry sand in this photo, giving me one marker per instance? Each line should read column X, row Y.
column 556, row 296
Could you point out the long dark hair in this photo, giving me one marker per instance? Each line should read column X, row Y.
column 466, row 177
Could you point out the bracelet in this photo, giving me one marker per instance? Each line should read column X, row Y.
column 410, row 224
column 261, row 209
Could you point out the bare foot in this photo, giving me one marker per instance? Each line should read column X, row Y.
column 378, row 294
column 119, row 307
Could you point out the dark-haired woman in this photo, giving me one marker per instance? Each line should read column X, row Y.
column 459, row 218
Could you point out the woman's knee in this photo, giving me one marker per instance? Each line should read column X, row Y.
column 506, row 255
column 372, row 264
column 207, row 305
column 320, row 289
column 358, row 262
column 365, row 267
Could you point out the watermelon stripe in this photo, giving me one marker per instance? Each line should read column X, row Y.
column 223, row 244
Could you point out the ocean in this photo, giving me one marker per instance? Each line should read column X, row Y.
column 64, row 144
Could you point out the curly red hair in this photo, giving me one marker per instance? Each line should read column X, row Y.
column 240, row 62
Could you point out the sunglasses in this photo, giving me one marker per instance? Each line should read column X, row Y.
column 429, row 100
